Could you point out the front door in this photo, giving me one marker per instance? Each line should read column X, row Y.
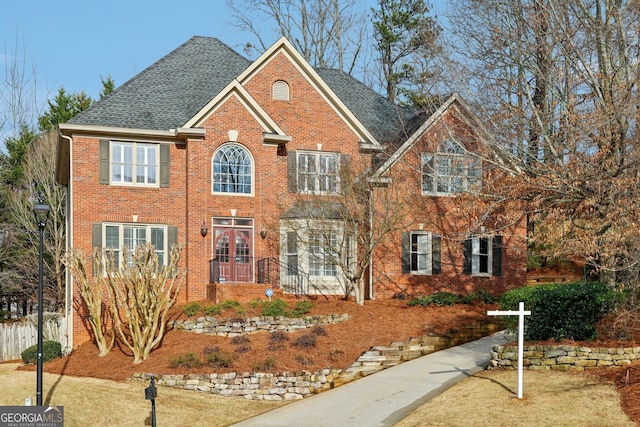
column 233, row 250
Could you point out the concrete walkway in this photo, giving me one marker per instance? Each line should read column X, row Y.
column 386, row 397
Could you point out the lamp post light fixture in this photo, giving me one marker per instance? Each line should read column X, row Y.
column 41, row 212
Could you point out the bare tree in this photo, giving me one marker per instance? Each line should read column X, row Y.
column 559, row 83
column 328, row 33
column 94, row 295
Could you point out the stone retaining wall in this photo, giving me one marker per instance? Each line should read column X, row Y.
column 561, row 357
column 297, row 385
column 233, row 327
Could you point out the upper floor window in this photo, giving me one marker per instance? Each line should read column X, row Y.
column 450, row 170
column 134, row 163
column 318, row 172
column 421, row 253
column 280, row 91
column 232, row 170
column 483, row 256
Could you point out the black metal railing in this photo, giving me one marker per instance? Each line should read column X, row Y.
column 268, row 271
column 289, row 277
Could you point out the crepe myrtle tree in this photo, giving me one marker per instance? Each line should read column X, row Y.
column 139, row 292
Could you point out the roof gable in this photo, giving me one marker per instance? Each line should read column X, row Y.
column 454, row 99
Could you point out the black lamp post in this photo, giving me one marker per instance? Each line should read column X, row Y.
column 41, row 212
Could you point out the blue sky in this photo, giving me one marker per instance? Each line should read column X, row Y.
column 71, row 43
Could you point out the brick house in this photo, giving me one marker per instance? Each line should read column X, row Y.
column 225, row 155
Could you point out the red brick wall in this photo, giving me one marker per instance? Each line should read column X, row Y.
column 189, row 201
column 453, row 218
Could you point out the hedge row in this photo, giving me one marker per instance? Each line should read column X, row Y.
column 561, row 311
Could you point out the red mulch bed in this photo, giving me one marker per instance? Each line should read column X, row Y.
column 375, row 323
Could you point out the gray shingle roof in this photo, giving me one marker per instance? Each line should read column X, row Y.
column 171, row 91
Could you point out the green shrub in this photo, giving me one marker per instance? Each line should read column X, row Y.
column 220, row 359
column 439, row 298
column 274, row 308
column 265, row 365
column 189, row 360
column 561, row 311
column 301, row 308
column 191, row 309
column 229, row 304
column 211, row 310
column 50, row 350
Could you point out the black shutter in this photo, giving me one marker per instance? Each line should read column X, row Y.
column 104, row 161
column 406, row 252
column 292, row 170
column 96, row 246
column 496, row 253
column 164, row 165
column 436, row 254
column 466, row 267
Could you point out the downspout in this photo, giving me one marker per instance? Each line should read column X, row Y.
column 371, row 296
column 68, row 300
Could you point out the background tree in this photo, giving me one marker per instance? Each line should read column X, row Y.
column 407, row 43
column 328, row 33
column 559, row 83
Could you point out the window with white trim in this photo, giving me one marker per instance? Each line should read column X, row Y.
column 322, row 253
column 483, row 255
column 318, row 172
column 121, row 238
column 450, row 171
column 232, row 170
column 280, row 91
column 421, row 252
column 134, row 163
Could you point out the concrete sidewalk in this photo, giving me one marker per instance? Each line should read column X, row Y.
column 386, row 397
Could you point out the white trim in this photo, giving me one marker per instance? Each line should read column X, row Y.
column 253, row 171
column 283, row 46
column 235, row 89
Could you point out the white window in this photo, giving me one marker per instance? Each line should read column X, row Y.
column 480, row 255
column 134, row 163
column 421, row 252
column 322, row 253
column 121, row 238
column 232, row 170
column 450, row 171
column 318, row 173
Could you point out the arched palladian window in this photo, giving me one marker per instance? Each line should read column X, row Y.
column 232, row 170
column 450, row 170
column 280, row 91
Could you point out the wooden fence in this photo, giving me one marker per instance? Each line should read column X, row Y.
column 15, row 337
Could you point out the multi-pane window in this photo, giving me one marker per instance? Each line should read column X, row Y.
column 134, row 163
column 483, row 255
column 322, row 246
column 318, row 172
column 480, row 255
column 121, row 238
column 421, row 252
column 292, row 253
column 450, row 170
column 232, row 171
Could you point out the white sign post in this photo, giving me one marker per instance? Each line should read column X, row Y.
column 520, row 313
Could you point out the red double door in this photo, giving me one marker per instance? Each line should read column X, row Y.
column 233, row 248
